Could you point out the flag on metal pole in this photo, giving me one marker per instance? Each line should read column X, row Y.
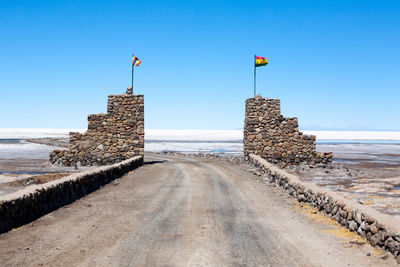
column 258, row 62
column 135, row 63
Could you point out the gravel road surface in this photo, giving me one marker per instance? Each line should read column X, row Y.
column 176, row 211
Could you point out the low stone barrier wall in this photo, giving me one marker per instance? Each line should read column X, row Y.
column 28, row 204
column 379, row 229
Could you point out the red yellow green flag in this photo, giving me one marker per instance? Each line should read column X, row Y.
column 135, row 61
column 260, row 61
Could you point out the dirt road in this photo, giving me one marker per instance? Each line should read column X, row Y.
column 183, row 212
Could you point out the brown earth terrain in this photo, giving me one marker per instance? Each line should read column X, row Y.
column 18, row 173
column 22, row 181
column 51, row 141
column 21, row 171
column 369, row 177
column 178, row 211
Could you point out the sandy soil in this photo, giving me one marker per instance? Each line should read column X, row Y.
column 176, row 211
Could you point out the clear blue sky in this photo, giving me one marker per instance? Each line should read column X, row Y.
column 332, row 63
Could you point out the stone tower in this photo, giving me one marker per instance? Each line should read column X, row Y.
column 276, row 138
column 111, row 137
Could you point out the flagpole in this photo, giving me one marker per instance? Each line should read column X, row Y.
column 254, row 75
column 132, row 76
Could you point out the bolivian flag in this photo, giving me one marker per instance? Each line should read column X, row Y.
column 260, row 61
column 135, row 61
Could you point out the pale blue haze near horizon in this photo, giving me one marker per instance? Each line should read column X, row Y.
column 333, row 64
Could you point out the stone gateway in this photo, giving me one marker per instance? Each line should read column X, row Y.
column 276, row 138
column 110, row 138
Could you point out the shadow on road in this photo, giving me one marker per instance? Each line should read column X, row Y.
column 154, row 162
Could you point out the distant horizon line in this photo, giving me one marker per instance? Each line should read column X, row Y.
column 320, row 129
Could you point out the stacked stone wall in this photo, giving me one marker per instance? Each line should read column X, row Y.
column 110, row 138
column 380, row 230
column 276, row 138
column 30, row 203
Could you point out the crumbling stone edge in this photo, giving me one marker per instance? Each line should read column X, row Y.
column 380, row 230
column 28, row 204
